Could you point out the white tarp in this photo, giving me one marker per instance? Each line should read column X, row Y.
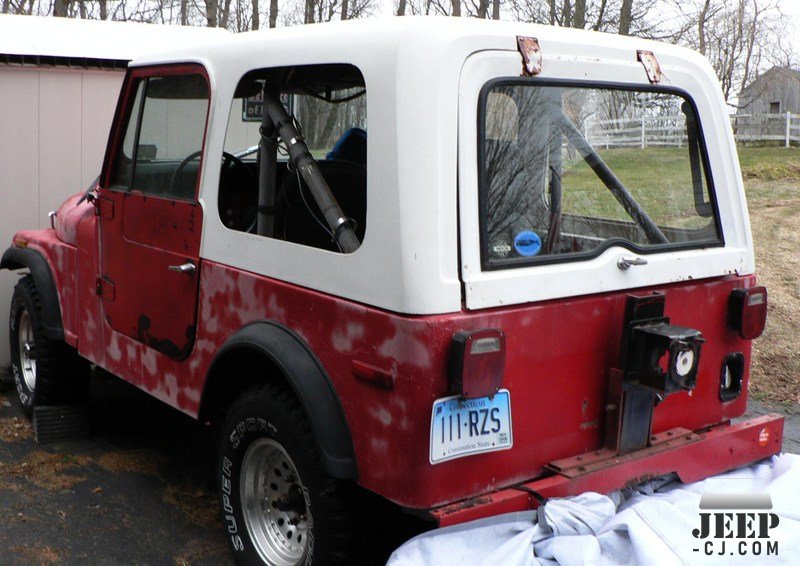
column 651, row 524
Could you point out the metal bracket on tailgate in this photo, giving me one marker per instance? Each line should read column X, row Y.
column 650, row 64
column 531, row 55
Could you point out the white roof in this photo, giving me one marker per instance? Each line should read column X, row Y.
column 426, row 30
column 414, row 70
column 93, row 39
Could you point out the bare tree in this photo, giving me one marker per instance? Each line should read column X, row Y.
column 225, row 13
column 579, row 15
column 273, row 13
column 60, row 8
column 702, row 20
column 601, row 14
column 625, row 16
column 741, row 38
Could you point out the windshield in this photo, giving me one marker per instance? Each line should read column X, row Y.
column 568, row 171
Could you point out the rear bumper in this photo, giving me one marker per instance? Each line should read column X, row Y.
column 692, row 455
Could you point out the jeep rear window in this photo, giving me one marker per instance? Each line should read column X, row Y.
column 567, row 171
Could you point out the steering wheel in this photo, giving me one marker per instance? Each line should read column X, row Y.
column 178, row 173
column 237, row 201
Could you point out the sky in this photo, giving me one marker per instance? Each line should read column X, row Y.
column 792, row 10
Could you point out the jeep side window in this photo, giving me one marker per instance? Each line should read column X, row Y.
column 164, row 137
column 328, row 106
column 123, row 162
column 568, row 171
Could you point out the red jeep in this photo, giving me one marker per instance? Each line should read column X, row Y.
column 465, row 265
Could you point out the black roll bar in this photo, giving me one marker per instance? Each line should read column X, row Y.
column 610, row 180
column 340, row 226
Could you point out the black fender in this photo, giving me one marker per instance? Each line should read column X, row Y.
column 21, row 258
column 295, row 360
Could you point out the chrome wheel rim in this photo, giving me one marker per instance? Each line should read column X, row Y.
column 274, row 503
column 27, row 350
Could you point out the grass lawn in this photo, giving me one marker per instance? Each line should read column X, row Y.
column 770, row 163
column 772, row 184
column 659, row 178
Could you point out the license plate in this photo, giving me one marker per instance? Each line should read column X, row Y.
column 463, row 427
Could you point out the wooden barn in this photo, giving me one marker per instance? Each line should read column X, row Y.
column 768, row 109
column 775, row 92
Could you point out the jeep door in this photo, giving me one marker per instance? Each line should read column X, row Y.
column 150, row 219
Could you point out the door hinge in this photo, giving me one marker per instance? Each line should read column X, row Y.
column 531, row 55
column 104, row 288
column 650, row 64
column 104, row 208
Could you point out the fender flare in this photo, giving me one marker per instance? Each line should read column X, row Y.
column 311, row 384
column 20, row 258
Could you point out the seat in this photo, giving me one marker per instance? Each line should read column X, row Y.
column 304, row 224
column 351, row 146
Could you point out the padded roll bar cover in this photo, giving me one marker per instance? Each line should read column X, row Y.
column 21, row 258
column 310, row 382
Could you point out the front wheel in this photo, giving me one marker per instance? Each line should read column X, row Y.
column 278, row 505
column 45, row 371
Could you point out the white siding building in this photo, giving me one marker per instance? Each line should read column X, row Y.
column 59, row 82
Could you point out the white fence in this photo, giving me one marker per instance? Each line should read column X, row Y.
column 650, row 131
column 755, row 128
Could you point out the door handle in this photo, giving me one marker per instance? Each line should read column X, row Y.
column 627, row 261
column 187, row 267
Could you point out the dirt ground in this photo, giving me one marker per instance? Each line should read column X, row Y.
column 775, row 220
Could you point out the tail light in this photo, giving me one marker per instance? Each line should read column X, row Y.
column 747, row 311
column 477, row 363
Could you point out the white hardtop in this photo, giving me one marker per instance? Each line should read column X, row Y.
column 421, row 117
column 341, row 37
column 92, row 39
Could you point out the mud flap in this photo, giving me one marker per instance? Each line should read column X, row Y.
column 60, row 422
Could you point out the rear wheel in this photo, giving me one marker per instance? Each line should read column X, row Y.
column 45, row 371
column 278, row 504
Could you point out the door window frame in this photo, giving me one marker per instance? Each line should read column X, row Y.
column 122, row 116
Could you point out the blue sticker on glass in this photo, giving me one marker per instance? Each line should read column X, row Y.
column 527, row 243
